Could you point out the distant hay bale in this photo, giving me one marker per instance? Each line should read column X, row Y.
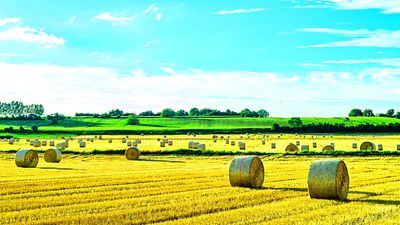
column 82, row 144
column 26, row 158
column 215, row 140
column 291, row 148
column 129, row 143
column 100, row 137
column 305, row 148
column 162, row 144
column 354, row 145
column 314, row 144
column 31, row 142
column 52, row 155
column 367, row 146
column 195, row 145
column 127, row 136
column 17, row 140
column 134, row 144
column 28, row 140
column 132, row 153
column 201, row 147
column 263, row 142
column 246, row 171
column 328, row 148
column 110, row 141
column 87, row 139
column 95, row 136
column 11, row 141
column 158, row 139
column 273, row 145
column 398, row 147
column 44, row 143
column 170, row 143
column 36, row 144
column 51, row 143
column 139, row 141
column 61, row 145
column 242, row 145
column 328, row 179
column 233, row 143
column 91, row 139
column 190, row 144
column 165, row 140
column 165, row 136
column 380, row 147
column 123, row 140
column 227, row 141
column 298, row 143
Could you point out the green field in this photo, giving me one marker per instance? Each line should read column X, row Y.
column 85, row 124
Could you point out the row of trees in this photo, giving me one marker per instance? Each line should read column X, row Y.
column 369, row 113
column 18, row 109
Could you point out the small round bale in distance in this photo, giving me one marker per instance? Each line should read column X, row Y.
column 26, row 158
column 328, row 179
column 291, row 148
column 246, row 171
column 52, row 155
column 367, row 146
column 273, row 145
column 354, row 145
column 132, row 153
column 201, row 147
column 328, row 148
column 398, row 147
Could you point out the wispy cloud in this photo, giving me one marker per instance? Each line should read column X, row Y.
column 72, row 19
column 12, row 20
column 31, row 35
column 238, row 11
column 151, row 43
column 14, row 55
column 387, row 6
column 159, row 16
column 115, row 20
column 360, row 38
column 168, row 70
column 386, row 62
column 151, row 8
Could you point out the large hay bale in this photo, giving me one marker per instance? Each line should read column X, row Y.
column 132, row 153
column 298, row 143
column 328, row 148
column 26, row 158
column 52, row 155
column 242, row 146
column 201, row 146
column 246, row 171
column 190, row 144
column 82, row 144
column 367, row 146
column 195, row 144
column 328, row 179
column 354, row 145
column 291, row 148
column 398, row 147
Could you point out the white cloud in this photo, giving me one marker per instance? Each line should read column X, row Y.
column 151, row 8
column 159, row 16
column 151, row 43
column 385, row 62
column 237, row 11
column 13, row 55
column 387, row 6
column 31, row 35
column 116, row 20
column 12, row 20
column 72, row 19
column 97, row 89
column 360, row 38
column 168, row 70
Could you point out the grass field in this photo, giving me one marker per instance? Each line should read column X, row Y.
column 253, row 142
column 190, row 190
column 83, row 124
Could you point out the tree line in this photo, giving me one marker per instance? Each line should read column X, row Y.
column 370, row 113
column 17, row 109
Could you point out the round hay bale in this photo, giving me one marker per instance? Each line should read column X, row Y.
column 195, row 145
column 162, row 144
column 233, row 143
column 305, row 148
column 165, row 140
column 52, row 155
column 132, row 153
column 110, row 141
column 354, row 145
column 380, row 147
column 291, row 148
column 82, row 144
column 123, row 140
column 201, row 146
column 100, row 137
column 11, row 141
column 298, row 143
column 263, row 142
column 36, row 144
column 28, row 140
column 127, row 136
column 26, row 158
column 139, row 141
column 61, row 145
column 158, row 139
column 51, row 143
column 134, row 143
column 215, row 140
column 129, row 143
column 246, row 171
column 328, row 148
column 273, row 145
column 170, row 143
column 190, row 144
column 367, row 146
column 328, row 179
column 242, row 146
column 314, row 144
column 44, row 143
column 227, row 141
column 91, row 139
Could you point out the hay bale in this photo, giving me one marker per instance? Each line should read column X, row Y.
column 129, row 143
column 165, row 140
column 123, row 140
column 17, row 140
column 314, row 144
column 110, row 141
column 273, row 145
column 291, row 148
column 100, row 137
column 263, row 142
column 227, row 141
column 215, row 140
column 298, row 143
column 170, row 143
column 232, row 143
column 127, row 136
column 139, row 141
column 195, row 145
column 242, row 146
column 201, row 146
column 328, row 148
column 44, row 143
column 36, row 144
column 158, row 139
column 162, row 144
column 328, row 179
column 354, row 145
column 11, row 141
column 82, row 144
column 61, row 145
column 398, row 147
column 134, row 144
column 305, row 148
column 26, row 158
column 132, row 153
column 52, row 155
column 190, row 144
column 246, row 171
column 28, row 140
column 380, row 147
column 91, row 139
column 367, row 146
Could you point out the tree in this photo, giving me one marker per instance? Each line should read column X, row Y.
column 248, row 113
column 182, row 112
column 194, row 112
column 147, row 113
column 34, row 128
column 398, row 115
column 168, row 113
column 276, row 127
column 390, row 113
column 116, row 112
column 368, row 113
column 132, row 120
column 355, row 112
column 295, row 122
column 263, row 113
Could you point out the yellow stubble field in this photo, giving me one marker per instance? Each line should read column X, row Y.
column 108, row 189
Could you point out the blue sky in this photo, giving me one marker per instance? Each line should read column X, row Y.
column 291, row 57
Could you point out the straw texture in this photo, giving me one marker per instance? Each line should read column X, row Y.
column 132, row 153
column 52, row 155
column 328, row 148
column 291, row 148
column 246, row 171
column 367, row 146
column 26, row 158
